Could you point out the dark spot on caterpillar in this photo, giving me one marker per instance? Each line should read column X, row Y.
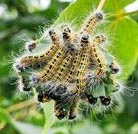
column 96, row 55
column 98, row 60
column 42, row 56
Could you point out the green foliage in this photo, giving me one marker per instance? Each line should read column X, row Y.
column 125, row 46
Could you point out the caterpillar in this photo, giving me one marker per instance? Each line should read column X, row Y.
column 91, row 23
column 71, row 69
column 71, row 76
column 83, row 65
column 62, row 70
column 99, row 60
column 46, row 73
column 66, row 63
column 26, row 62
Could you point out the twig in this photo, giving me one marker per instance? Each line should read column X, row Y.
column 130, row 13
column 20, row 105
column 101, row 4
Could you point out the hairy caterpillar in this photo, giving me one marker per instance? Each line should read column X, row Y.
column 44, row 75
column 91, row 23
column 74, row 68
column 66, row 63
column 26, row 62
column 83, row 65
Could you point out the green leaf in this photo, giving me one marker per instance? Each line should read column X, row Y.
column 25, row 128
column 115, row 5
column 125, row 44
column 49, row 116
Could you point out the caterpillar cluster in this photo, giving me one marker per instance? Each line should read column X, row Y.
column 71, row 70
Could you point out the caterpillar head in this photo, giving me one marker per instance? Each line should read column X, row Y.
column 99, row 39
column 72, row 114
column 34, row 80
column 30, row 45
column 65, row 29
column 84, row 40
column 99, row 16
column 114, row 68
column 53, row 35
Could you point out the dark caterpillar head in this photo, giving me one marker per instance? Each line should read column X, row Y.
column 99, row 16
column 18, row 67
column 52, row 32
column 114, row 68
column 65, row 32
column 34, row 80
column 53, row 35
column 25, row 86
column 105, row 101
column 84, row 40
column 60, row 113
column 31, row 45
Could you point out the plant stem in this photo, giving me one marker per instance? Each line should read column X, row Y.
column 101, row 4
column 20, row 105
column 130, row 13
column 49, row 116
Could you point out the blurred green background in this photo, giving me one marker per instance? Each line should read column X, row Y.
column 23, row 19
